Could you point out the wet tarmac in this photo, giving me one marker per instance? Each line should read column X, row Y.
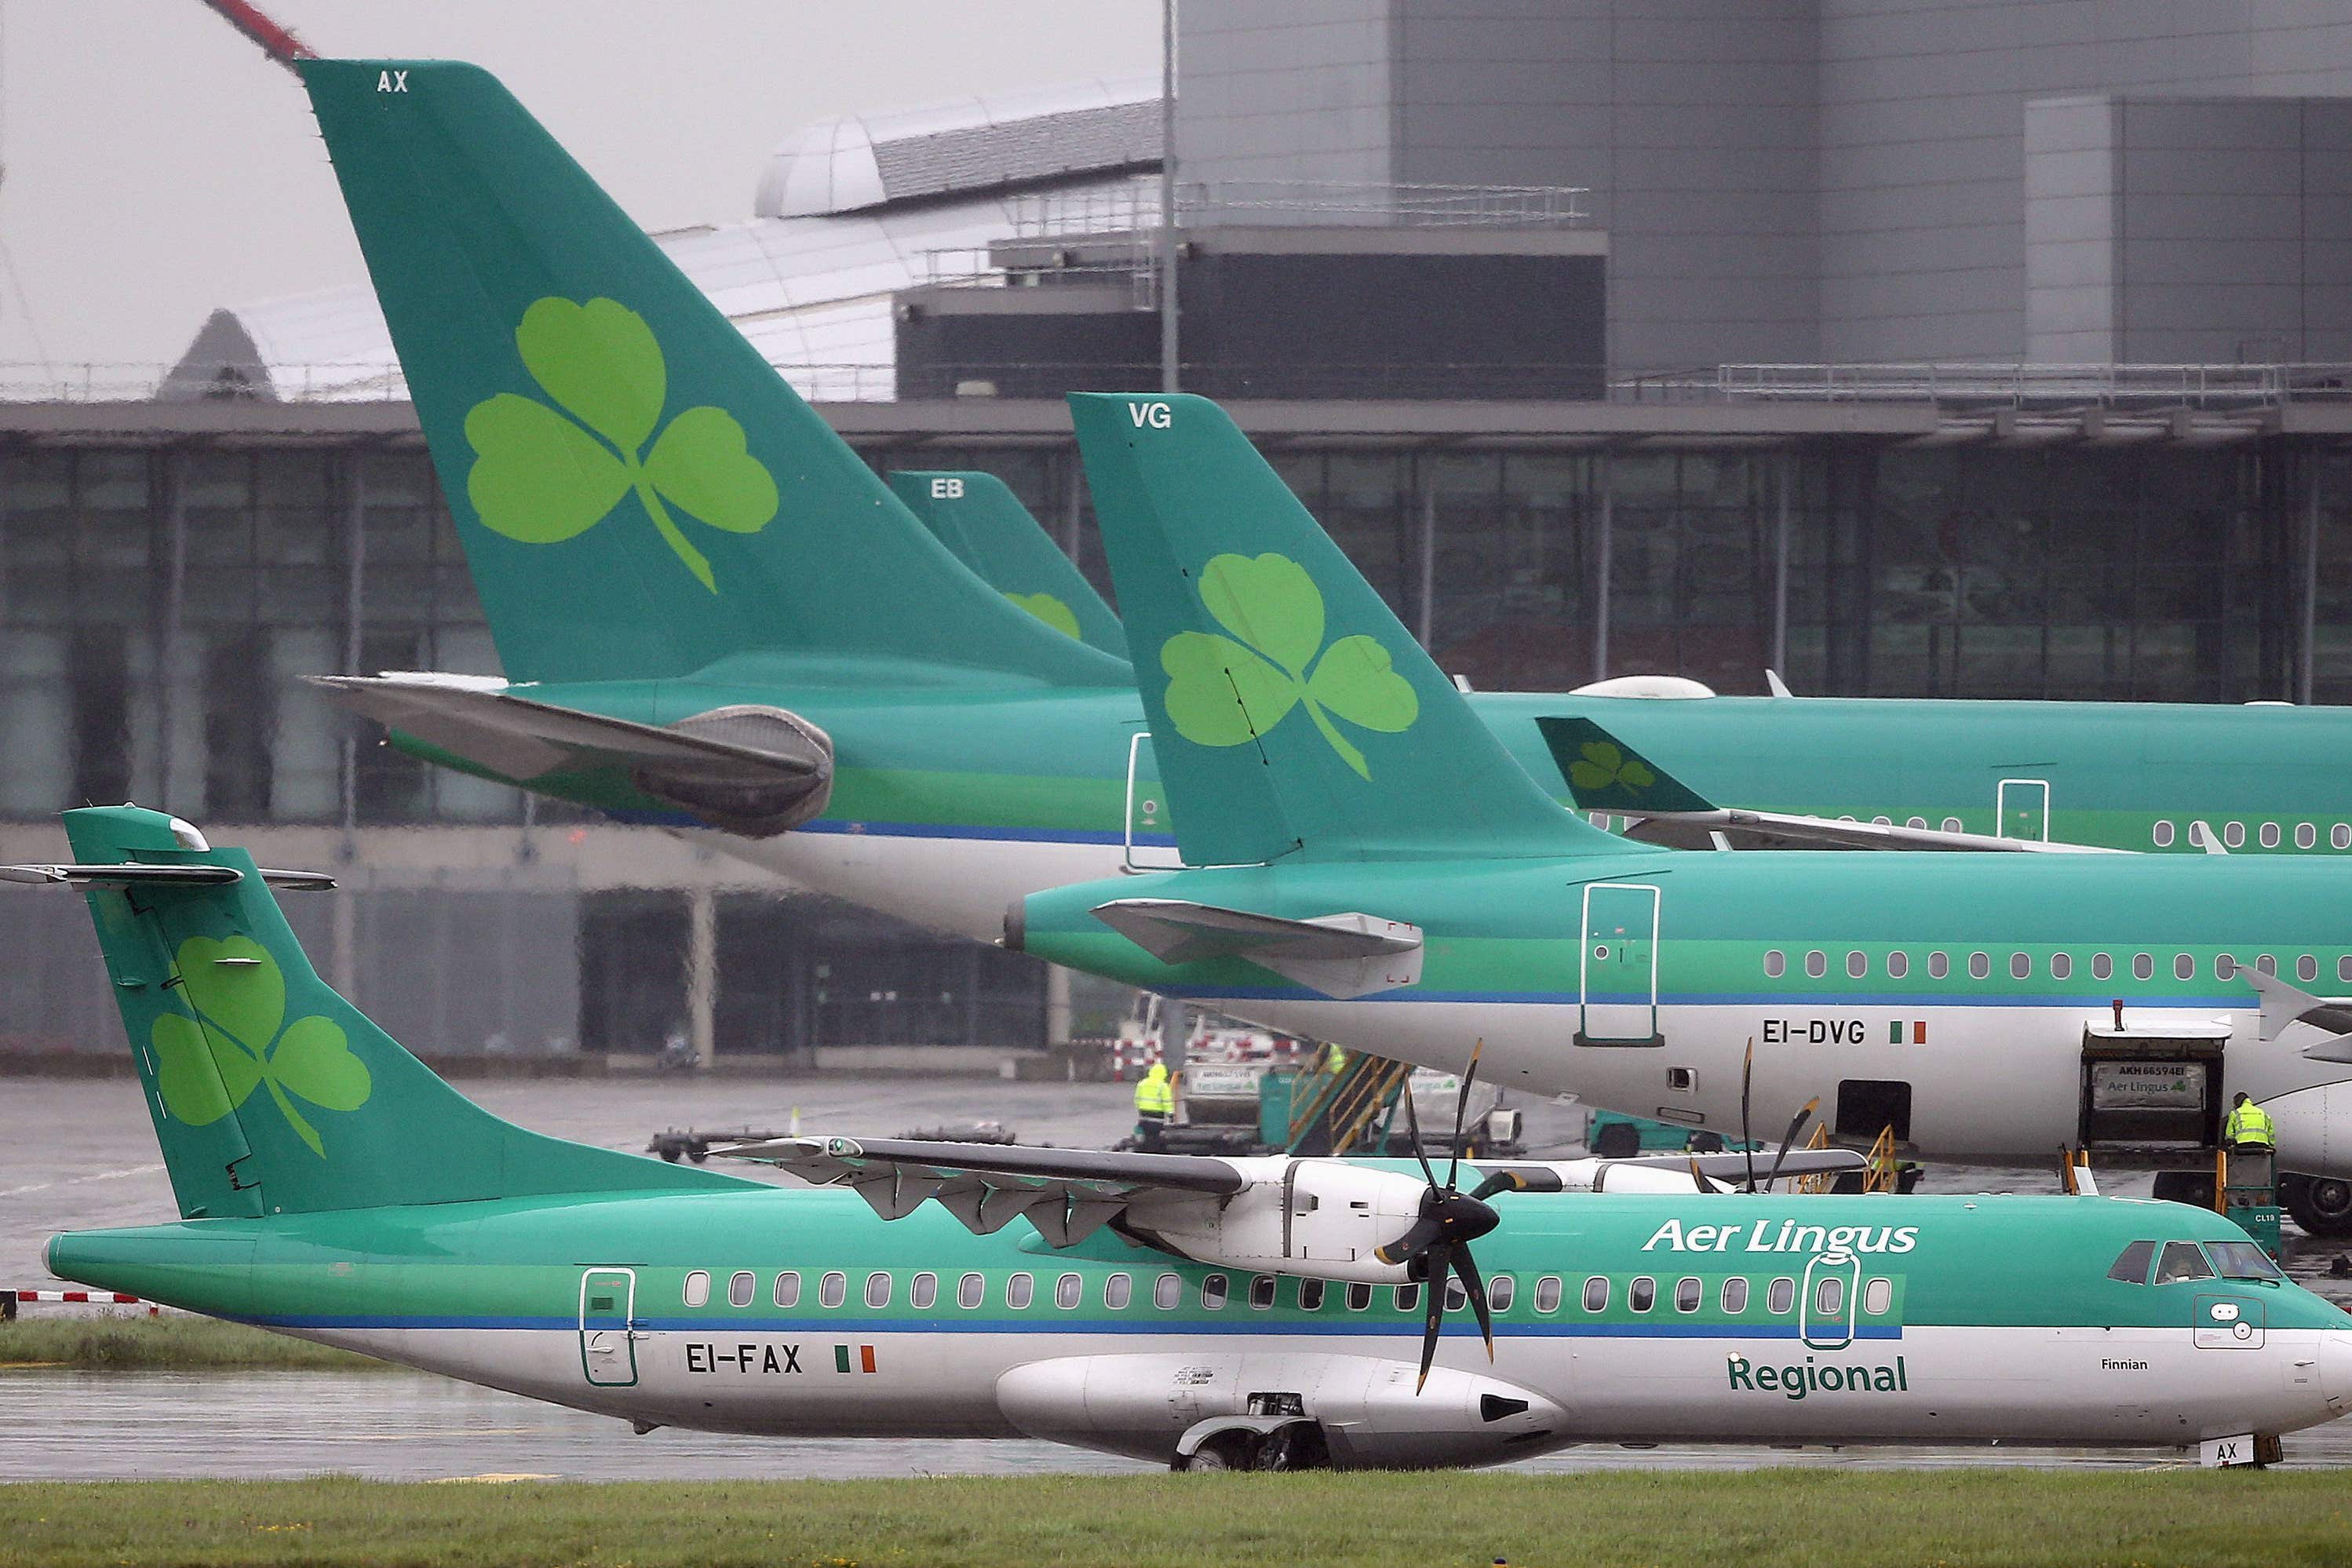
column 78, row 1154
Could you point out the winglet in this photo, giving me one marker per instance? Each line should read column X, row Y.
column 1604, row 774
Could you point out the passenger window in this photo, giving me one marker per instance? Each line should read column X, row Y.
column 1877, row 1296
column 2131, row 1264
column 2164, row 835
column 2020, row 966
column 2224, row 967
column 922, row 1292
column 1548, row 1293
column 1883, row 821
column 1857, row 964
column 1735, row 1297
column 2270, row 835
column 877, row 1289
column 741, row 1285
column 2062, row 966
column 2344, row 968
column 1408, row 1297
column 1829, row 1296
column 2306, row 836
column 1456, row 1297
column 2307, row 968
column 1500, row 1291
column 698, row 1287
column 2233, row 836
column 2266, row 964
column 833, row 1289
column 1951, row 825
column 1262, row 1291
column 1310, row 1295
column 970, row 1291
column 2184, row 967
column 1938, row 965
column 1068, row 1291
column 1360, row 1297
column 788, row 1288
column 1898, row 964
column 1776, row 964
column 1212, row 1292
column 1780, row 1296
column 2181, row 1260
column 1118, row 1290
column 1642, row 1295
column 1019, row 1291
column 1596, row 1294
column 1917, row 822
column 2143, row 966
column 2341, row 836
column 1689, row 1293
column 2102, row 966
column 1980, row 965
column 1817, row 963
column 1166, row 1292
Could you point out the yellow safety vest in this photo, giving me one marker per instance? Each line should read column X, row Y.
column 1155, row 1094
column 2250, row 1123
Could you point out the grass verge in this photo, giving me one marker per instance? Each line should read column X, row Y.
column 173, row 1342
column 1995, row 1519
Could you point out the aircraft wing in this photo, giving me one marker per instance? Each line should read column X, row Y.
column 1339, row 956
column 2285, row 1005
column 751, row 770
column 1734, row 1167
column 1604, row 774
column 1067, row 1194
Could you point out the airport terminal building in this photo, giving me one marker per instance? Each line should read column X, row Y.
column 1905, row 349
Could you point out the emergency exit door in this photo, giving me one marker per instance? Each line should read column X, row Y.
column 2021, row 808
column 1618, row 972
column 608, row 1344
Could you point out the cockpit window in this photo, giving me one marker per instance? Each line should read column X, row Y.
column 2181, row 1261
column 2131, row 1264
column 2242, row 1260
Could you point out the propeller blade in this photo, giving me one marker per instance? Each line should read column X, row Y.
column 1409, row 1245
column 1796, row 1125
column 1475, row 1289
column 1413, row 1131
column 1462, row 1108
column 1441, row 1258
column 1700, row 1178
column 1518, row 1179
column 1747, row 1080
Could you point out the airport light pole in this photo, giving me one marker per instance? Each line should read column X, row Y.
column 1167, row 362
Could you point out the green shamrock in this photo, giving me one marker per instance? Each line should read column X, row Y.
column 541, row 477
column 237, row 991
column 1051, row 611
column 1222, row 692
column 1603, row 764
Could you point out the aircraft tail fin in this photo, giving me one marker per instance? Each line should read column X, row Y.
column 1604, row 774
column 984, row 524
column 270, row 1093
column 1291, row 712
column 639, row 494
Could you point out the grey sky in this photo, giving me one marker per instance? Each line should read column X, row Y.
column 157, row 166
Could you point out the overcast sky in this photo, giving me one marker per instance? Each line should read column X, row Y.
column 157, row 166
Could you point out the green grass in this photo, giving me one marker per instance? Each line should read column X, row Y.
column 174, row 1343
column 1833, row 1518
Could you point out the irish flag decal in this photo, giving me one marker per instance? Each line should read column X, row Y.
column 1917, row 1028
column 862, row 1362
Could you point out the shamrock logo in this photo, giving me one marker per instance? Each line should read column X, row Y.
column 237, row 991
column 1223, row 692
column 541, row 475
column 1051, row 611
column 1603, row 764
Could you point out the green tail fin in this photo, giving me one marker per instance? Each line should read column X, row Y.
column 1604, row 774
column 984, row 523
column 639, row 493
column 269, row 1092
column 1291, row 713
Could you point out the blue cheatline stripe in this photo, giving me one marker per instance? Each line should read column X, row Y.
column 655, row 818
column 1844, row 1002
column 1354, row 1327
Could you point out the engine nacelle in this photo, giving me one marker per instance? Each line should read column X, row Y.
column 1150, row 1406
column 1319, row 1218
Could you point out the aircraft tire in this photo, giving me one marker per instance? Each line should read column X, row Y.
column 2322, row 1206
column 1617, row 1142
column 1225, row 1451
column 1297, row 1447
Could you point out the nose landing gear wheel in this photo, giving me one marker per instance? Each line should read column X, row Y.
column 2322, row 1206
column 1225, row 1451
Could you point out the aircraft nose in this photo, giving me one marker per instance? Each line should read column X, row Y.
column 2335, row 1369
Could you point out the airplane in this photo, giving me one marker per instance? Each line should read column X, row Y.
column 1370, row 864
column 1202, row 1313
column 984, row 523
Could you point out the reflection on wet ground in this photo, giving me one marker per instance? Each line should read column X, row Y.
column 81, row 1154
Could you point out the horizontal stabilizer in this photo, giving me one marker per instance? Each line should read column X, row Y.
column 160, row 876
column 2284, row 1005
column 750, row 770
column 1773, row 828
column 1339, row 956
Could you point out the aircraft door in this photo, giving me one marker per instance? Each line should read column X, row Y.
column 2022, row 809
column 1826, row 1307
column 608, row 1337
column 1150, row 836
column 1617, row 979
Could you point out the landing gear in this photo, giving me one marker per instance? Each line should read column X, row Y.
column 2322, row 1206
column 1225, row 1451
column 1294, row 1445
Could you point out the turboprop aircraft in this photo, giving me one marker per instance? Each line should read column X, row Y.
column 1201, row 1312
column 1374, row 867
column 712, row 615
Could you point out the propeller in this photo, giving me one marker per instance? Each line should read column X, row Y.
column 1747, row 1083
column 1435, row 1249
column 1789, row 1139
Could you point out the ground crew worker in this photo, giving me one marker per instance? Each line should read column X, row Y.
column 1155, row 1105
column 2249, row 1126
column 1335, row 1060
